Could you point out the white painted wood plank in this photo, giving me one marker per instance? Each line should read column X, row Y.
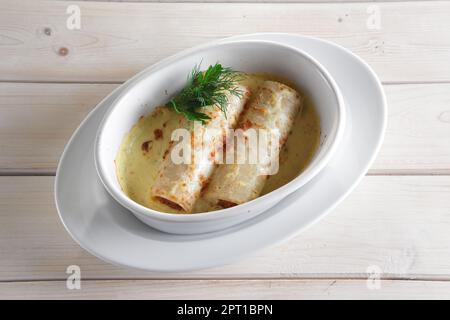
column 36, row 121
column 116, row 40
column 398, row 223
column 228, row 289
column 417, row 137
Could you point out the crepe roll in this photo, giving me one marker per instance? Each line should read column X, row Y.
column 179, row 184
column 274, row 109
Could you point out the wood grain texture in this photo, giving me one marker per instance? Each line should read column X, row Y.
column 116, row 40
column 399, row 224
column 36, row 121
column 417, row 139
column 227, row 289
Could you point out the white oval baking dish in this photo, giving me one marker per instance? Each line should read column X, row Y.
column 147, row 90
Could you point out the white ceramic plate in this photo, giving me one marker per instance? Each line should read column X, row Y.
column 110, row 232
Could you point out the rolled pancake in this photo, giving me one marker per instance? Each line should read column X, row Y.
column 180, row 185
column 274, row 108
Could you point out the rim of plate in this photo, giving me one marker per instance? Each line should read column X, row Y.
column 280, row 238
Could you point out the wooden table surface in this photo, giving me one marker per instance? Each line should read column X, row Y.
column 397, row 220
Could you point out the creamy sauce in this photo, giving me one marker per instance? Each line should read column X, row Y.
column 142, row 149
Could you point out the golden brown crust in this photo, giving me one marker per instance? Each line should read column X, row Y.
column 158, row 134
column 169, row 203
column 225, row 204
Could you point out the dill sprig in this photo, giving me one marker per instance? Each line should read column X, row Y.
column 206, row 88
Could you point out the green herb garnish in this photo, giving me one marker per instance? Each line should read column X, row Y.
column 206, row 88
